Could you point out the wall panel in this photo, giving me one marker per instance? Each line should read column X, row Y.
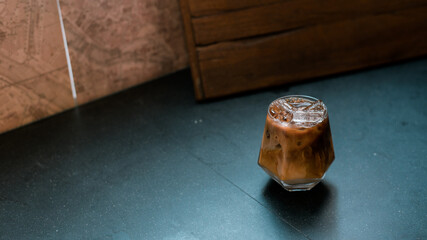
column 34, row 80
column 118, row 44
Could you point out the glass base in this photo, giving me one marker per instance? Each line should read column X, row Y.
column 296, row 185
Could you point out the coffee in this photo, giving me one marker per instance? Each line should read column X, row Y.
column 296, row 148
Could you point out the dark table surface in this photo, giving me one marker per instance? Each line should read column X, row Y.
column 151, row 163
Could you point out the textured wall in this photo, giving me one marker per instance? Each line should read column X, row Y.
column 117, row 44
column 34, row 79
column 113, row 45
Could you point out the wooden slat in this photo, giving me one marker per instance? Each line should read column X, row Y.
column 192, row 55
column 286, row 15
column 317, row 50
column 208, row 7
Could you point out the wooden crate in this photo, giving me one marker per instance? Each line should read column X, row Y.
column 236, row 46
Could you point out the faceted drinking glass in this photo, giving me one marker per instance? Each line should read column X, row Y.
column 296, row 149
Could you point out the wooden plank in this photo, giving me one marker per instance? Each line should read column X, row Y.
column 191, row 48
column 287, row 15
column 317, row 50
column 115, row 45
column 34, row 80
column 209, row 7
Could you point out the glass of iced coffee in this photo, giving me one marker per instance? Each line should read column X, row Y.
column 296, row 148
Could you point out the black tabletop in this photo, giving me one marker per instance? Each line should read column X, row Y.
column 151, row 163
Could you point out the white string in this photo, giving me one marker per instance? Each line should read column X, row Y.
column 67, row 55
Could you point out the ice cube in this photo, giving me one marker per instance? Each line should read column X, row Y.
column 316, row 106
column 287, row 116
column 304, row 116
column 285, row 106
